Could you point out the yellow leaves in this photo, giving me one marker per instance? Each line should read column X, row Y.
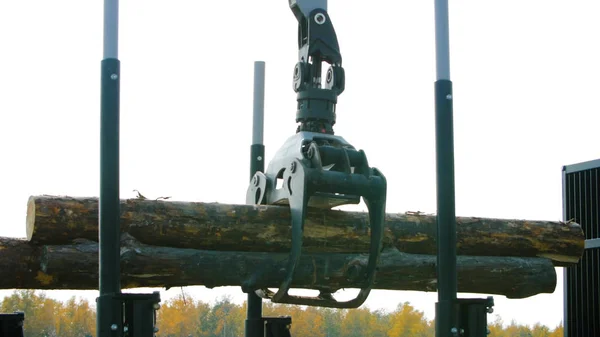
column 499, row 329
column 558, row 332
column 184, row 316
column 356, row 323
column 407, row 322
column 307, row 322
column 177, row 316
column 44, row 278
column 76, row 318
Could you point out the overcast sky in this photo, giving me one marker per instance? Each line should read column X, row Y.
column 525, row 79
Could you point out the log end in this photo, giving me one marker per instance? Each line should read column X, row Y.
column 30, row 219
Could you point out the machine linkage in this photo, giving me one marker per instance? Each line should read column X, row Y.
column 314, row 167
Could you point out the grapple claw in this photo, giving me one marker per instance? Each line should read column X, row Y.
column 321, row 171
column 314, row 168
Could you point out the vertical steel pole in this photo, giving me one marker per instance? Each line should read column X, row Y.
column 254, row 323
column 108, row 310
column 257, row 149
column 446, row 313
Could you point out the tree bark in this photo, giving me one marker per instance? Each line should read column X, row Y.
column 75, row 266
column 222, row 227
column 20, row 264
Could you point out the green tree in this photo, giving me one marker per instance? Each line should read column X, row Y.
column 332, row 321
column 223, row 319
column 356, row 323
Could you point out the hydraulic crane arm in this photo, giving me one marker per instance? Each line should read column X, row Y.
column 315, row 168
column 317, row 43
column 316, row 36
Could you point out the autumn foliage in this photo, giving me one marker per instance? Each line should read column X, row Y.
column 47, row 317
column 184, row 316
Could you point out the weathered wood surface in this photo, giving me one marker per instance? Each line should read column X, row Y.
column 19, row 264
column 75, row 266
column 213, row 226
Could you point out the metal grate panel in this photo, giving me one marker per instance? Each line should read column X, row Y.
column 581, row 203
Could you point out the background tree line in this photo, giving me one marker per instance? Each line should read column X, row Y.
column 184, row 316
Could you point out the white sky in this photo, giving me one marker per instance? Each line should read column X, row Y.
column 525, row 79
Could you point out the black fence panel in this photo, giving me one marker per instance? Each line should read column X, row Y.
column 581, row 203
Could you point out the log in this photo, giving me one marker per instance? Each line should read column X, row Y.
column 75, row 266
column 20, row 261
column 213, row 226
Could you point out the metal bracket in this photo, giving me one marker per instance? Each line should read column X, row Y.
column 11, row 325
column 277, row 326
column 471, row 316
column 136, row 313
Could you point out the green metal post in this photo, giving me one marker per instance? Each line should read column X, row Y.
column 446, row 311
column 254, row 321
column 108, row 310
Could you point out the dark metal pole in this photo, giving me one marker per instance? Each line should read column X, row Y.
column 254, row 322
column 446, row 313
column 108, row 311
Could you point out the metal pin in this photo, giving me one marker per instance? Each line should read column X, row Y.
column 320, row 18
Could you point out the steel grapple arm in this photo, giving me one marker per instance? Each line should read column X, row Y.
column 314, row 167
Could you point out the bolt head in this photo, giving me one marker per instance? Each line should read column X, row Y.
column 311, row 152
column 320, row 18
column 454, row 331
column 114, row 327
column 449, row 97
column 490, row 310
column 329, row 75
column 114, row 77
column 293, row 167
column 255, row 180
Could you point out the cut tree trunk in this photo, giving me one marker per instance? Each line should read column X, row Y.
column 20, row 264
column 213, row 226
column 75, row 266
